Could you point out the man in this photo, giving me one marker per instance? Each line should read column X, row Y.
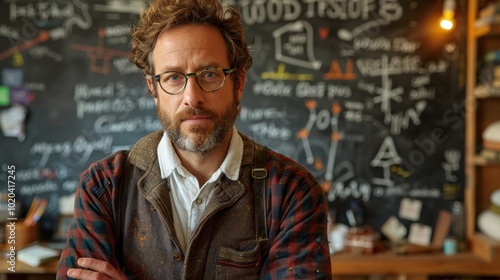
column 188, row 190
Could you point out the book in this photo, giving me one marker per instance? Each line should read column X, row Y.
column 489, row 155
column 489, row 20
column 486, row 90
column 491, row 9
column 488, row 72
column 37, row 254
column 492, row 56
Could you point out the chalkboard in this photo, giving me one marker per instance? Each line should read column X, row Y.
column 67, row 63
column 368, row 95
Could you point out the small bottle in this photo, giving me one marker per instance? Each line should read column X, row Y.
column 450, row 246
column 458, row 224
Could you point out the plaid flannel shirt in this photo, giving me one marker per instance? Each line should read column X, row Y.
column 296, row 219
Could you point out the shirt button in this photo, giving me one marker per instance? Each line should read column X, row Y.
column 199, row 200
column 177, row 257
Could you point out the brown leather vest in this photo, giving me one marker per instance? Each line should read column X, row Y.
column 224, row 245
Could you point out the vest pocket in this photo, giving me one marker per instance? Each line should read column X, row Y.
column 244, row 263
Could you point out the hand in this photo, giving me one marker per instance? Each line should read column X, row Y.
column 94, row 269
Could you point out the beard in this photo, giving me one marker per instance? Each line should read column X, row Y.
column 204, row 140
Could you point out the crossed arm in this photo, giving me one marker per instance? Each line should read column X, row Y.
column 94, row 269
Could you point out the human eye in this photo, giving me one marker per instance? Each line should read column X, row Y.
column 172, row 78
column 211, row 75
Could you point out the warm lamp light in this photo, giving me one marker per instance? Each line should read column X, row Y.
column 448, row 19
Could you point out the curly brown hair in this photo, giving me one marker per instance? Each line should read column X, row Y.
column 164, row 14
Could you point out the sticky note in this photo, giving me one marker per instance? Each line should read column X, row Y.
column 420, row 234
column 12, row 77
column 393, row 229
column 21, row 96
column 4, row 96
column 410, row 209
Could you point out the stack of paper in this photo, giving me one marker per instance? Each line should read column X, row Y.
column 37, row 254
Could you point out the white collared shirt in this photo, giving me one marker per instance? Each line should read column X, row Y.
column 188, row 198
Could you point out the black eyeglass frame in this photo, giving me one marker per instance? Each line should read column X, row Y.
column 226, row 72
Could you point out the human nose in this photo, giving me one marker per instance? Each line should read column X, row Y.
column 193, row 94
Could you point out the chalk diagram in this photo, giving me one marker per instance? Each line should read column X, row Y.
column 80, row 18
column 43, row 36
column 324, row 159
column 298, row 49
column 99, row 56
column 320, row 157
column 386, row 92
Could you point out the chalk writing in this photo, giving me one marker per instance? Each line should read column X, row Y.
column 121, row 105
column 386, row 156
column 270, row 131
column 117, row 6
column 80, row 146
column 259, row 114
column 43, row 51
column 8, row 31
column 111, row 124
column 39, row 188
column 72, row 12
column 334, row 91
column 307, row 90
column 270, row 88
column 260, row 11
column 389, row 65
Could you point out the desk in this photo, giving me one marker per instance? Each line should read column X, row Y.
column 410, row 266
column 418, row 266
column 26, row 272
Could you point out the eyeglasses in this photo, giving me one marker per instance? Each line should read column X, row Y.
column 209, row 79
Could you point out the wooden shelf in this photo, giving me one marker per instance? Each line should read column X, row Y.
column 488, row 30
column 485, row 92
column 486, row 248
column 482, row 173
column 25, row 271
column 463, row 263
column 482, row 161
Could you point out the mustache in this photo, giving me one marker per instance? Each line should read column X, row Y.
column 190, row 112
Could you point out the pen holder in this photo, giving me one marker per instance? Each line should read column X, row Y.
column 19, row 234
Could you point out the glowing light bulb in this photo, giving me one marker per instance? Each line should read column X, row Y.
column 448, row 19
column 447, row 24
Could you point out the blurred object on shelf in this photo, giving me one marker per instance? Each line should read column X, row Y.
column 336, row 236
column 491, row 142
column 362, row 240
column 489, row 15
column 489, row 220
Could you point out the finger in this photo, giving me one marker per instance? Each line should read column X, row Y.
column 84, row 274
column 100, row 266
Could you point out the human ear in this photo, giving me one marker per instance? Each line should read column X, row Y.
column 241, row 85
column 152, row 89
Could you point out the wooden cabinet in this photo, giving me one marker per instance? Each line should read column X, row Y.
column 482, row 175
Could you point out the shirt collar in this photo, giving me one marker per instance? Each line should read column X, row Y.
column 169, row 161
